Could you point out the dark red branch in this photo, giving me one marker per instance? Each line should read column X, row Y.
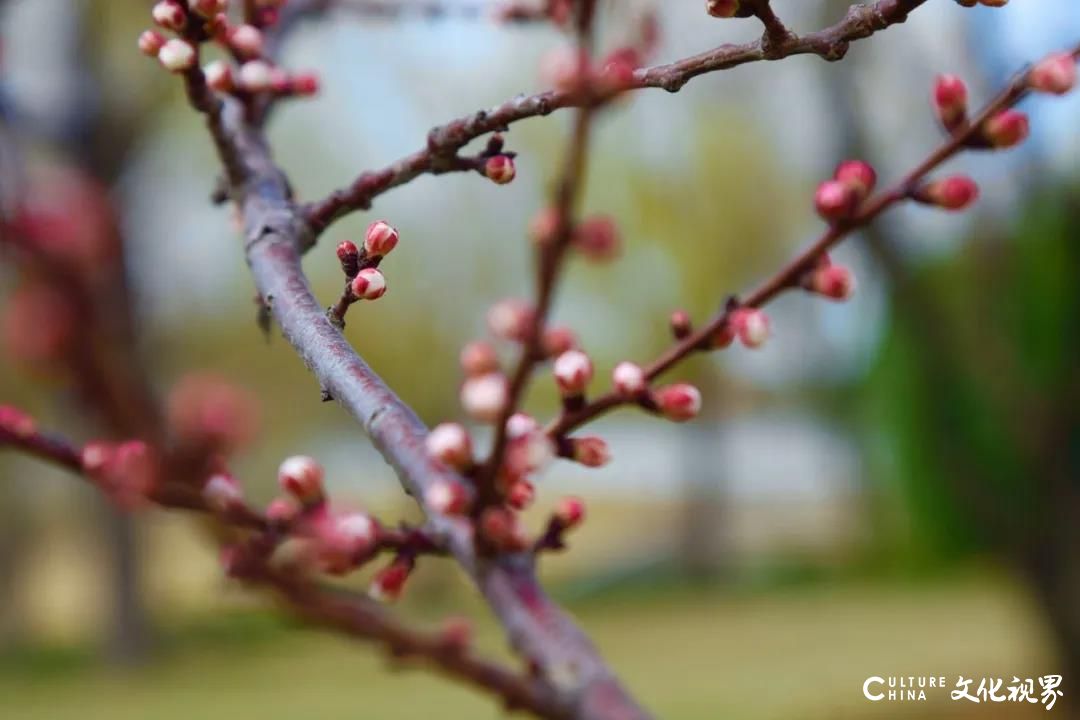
column 445, row 141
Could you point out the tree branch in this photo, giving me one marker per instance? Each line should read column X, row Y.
column 445, row 141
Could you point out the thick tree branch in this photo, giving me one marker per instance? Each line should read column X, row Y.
column 445, row 141
column 275, row 232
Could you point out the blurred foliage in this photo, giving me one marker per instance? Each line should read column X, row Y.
column 966, row 373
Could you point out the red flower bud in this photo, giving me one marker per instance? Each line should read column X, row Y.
column 679, row 402
column 484, row 396
column 1006, row 129
column 858, row 175
column 628, row 379
column 835, row 282
column 722, row 8
column 570, row 512
column 572, row 370
column 952, row 193
column 681, row 325
column 597, row 238
column 950, row 100
column 447, row 497
column 169, row 15
column 305, row 84
column 219, row 76
column 478, row 358
column 369, row 284
column 835, row 200
column 247, row 41
column 450, row 443
column 751, row 326
column 557, row 340
column 511, row 319
column 521, row 495
column 380, row 239
column 281, row 511
column 1055, row 74
column 500, row 169
column 177, row 55
column 302, row 477
column 590, row 451
column 390, row 582
column 151, row 42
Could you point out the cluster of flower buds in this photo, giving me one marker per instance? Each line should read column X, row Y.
column 201, row 20
column 839, row 198
column 1005, row 129
column 126, row 472
column 365, row 280
column 829, row 280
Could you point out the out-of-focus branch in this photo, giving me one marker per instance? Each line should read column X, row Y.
column 445, row 141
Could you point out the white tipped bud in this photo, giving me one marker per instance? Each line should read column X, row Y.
column 450, row 443
column 573, row 370
column 222, row 493
column 301, row 477
column 520, row 424
column 177, row 55
column 484, row 396
column 628, row 378
column 256, row 76
column 219, row 76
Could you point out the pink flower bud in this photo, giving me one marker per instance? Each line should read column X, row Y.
column 952, row 193
column 520, row 424
column 679, row 402
column 369, row 284
column 835, row 282
column 222, row 493
column 130, row 474
column 950, row 100
column 380, row 239
column 478, row 358
column 570, row 512
column 500, row 169
column 209, row 414
column 511, row 319
column 858, row 175
column 208, row 8
column 484, row 396
column 447, row 497
column 349, row 257
column 590, row 451
column 528, row 453
column 557, row 340
column 247, row 41
column 280, row 81
column 1055, row 74
column 628, row 379
column 281, row 511
column 500, row 527
column 450, row 443
column 1006, row 129
column 572, row 370
column 256, row 76
column 597, row 238
column 544, row 225
column 521, row 495
column 177, row 55
column 16, row 423
column 169, row 15
column 389, row 582
column 302, row 477
column 355, row 533
column 305, row 84
column 681, row 325
column 835, row 200
column 722, row 8
column 219, row 76
column 752, row 326
column 151, row 42
column 617, row 70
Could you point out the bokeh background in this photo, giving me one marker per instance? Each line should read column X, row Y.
column 889, row 487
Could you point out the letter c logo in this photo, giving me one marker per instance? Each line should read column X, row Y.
column 866, row 688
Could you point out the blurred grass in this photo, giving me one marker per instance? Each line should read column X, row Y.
column 688, row 654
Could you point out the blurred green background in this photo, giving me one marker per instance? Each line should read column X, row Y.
column 889, row 488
